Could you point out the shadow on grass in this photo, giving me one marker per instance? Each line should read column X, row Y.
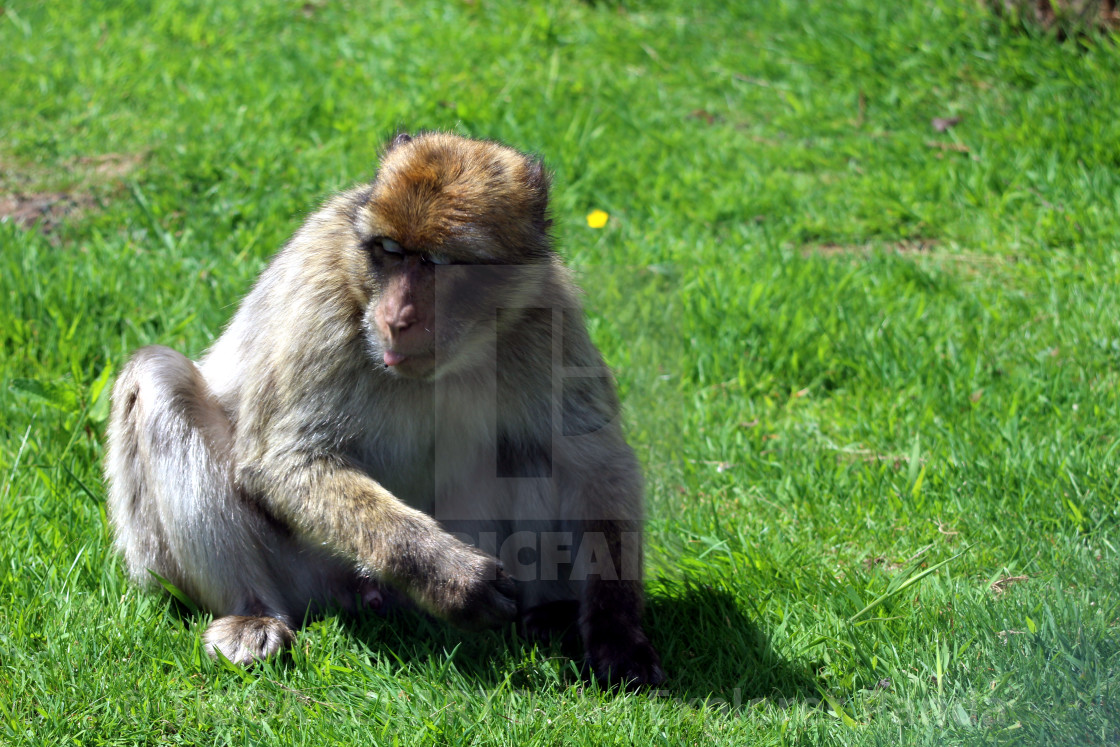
column 712, row 650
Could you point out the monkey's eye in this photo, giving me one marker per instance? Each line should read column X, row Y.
column 437, row 259
column 390, row 247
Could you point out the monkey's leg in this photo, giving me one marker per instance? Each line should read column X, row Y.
column 608, row 557
column 176, row 511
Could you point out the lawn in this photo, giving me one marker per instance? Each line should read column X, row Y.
column 860, row 286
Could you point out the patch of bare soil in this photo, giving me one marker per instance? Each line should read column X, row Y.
column 48, row 210
column 1000, row 586
column 27, row 199
column 1062, row 16
column 905, row 246
column 963, row 260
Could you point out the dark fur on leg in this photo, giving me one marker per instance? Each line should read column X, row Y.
column 617, row 649
column 610, row 621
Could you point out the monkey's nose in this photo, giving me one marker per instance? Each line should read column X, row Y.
column 405, row 318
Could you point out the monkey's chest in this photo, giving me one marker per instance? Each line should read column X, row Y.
column 434, row 464
column 459, row 451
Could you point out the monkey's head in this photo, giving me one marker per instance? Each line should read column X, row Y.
column 455, row 229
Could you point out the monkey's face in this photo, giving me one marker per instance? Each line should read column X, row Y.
column 400, row 319
column 431, row 315
column 454, row 230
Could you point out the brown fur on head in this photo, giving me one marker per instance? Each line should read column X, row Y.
column 441, row 193
column 455, row 224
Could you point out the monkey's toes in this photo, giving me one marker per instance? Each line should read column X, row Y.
column 626, row 660
column 244, row 640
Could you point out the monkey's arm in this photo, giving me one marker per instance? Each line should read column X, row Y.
column 332, row 503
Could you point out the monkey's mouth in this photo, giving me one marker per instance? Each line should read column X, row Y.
column 411, row 365
column 393, row 358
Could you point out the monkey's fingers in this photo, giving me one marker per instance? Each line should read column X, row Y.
column 486, row 596
column 503, row 599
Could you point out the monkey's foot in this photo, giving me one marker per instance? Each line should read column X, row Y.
column 624, row 657
column 244, row 640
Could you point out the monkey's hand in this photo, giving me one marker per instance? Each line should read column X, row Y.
column 473, row 591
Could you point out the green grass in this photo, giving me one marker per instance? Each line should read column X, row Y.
column 852, row 350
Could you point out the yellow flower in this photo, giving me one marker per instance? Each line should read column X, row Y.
column 597, row 218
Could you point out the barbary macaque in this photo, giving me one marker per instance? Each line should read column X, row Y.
column 407, row 399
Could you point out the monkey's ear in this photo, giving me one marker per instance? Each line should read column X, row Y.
column 538, row 180
column 400, row 139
